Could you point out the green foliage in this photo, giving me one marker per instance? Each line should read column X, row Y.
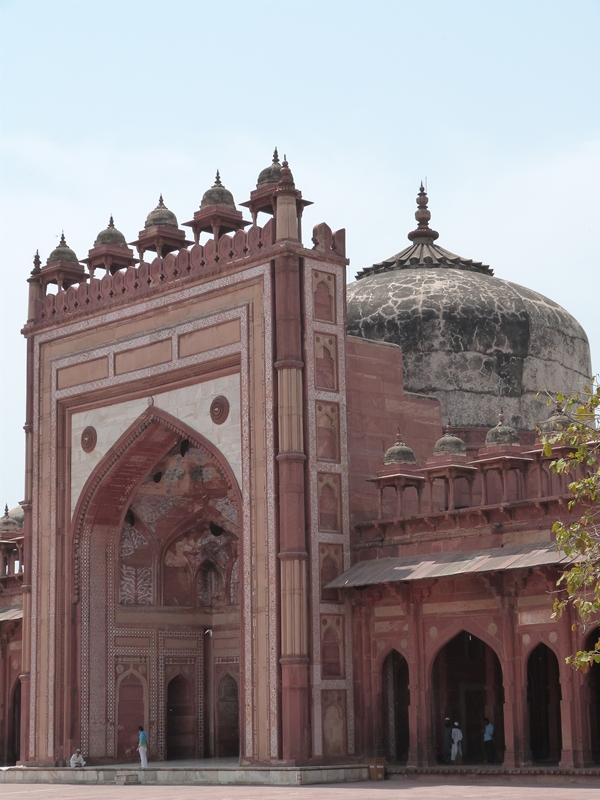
column 578, row 454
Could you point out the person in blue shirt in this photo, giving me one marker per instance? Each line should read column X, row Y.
column 143, row 747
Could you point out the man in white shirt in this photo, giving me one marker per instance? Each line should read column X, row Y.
column 488, row 740
column 77, row 759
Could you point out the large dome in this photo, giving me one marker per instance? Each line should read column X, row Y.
column 473, row 340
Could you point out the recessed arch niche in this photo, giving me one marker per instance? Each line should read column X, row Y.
column 155, row 520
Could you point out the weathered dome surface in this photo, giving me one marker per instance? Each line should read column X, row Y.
column 161, row 216
column 557, row 422
column 399, row 453
column 62, row 253
column 449, row 444
column 217, row 195
column 270, row 174
column 110, row 235
column 501, row 433
column 467, row 337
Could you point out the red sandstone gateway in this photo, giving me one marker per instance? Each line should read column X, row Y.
column 222, row 543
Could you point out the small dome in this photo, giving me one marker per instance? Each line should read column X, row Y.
column 502, row 434
column 399, row 453
column 161, row 216
column 62, row 253
column 217, row 195
column 17, row 514
column 557, row 422
column 449, row 444
column 7, row 524
column 110, row 235
column 270, row 174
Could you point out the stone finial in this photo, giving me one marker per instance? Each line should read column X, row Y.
column 286, row 172
column 217, row 180
column 111, row 222
column 275, row 156
column 423, row 215
column 161, row 203
column 6, row 511
column 37, row 263
column 63, row 241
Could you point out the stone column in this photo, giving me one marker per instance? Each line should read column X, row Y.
column 35, row 293
column 293, row 553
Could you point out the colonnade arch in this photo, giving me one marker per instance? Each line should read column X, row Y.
column 467, row 685
column 543, row 704
column 395, row 704
column 592, row 680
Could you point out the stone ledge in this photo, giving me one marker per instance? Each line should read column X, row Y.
column 179, row 776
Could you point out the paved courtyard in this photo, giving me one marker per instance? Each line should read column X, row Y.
column 406, row 789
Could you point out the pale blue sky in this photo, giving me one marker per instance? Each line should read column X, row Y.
column 106, row 104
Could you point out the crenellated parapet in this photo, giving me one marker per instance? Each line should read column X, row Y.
column 193, row 263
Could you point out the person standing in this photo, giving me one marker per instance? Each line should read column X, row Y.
column 447, row 746
column 143, row 747
column 456, row 754
column 488, row 740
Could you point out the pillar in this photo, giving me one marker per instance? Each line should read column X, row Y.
column 293, row 553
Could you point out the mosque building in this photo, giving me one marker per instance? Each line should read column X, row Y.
column 271, row 516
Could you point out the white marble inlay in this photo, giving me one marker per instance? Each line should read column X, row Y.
column 190, row 404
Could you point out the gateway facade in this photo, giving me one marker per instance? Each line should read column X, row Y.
column 213, row 545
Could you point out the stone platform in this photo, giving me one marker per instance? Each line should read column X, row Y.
column 181, row 773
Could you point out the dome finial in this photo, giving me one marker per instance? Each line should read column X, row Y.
column 275, row 156
column 161, row 202
column 286, row 173
column 37, row 263
column 111, row 222
column 423, row 233
column 63, row 241
column 217, row 180
column 6, row 510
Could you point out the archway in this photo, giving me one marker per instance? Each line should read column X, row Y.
column 467, row 686
column 396, row 699
column 593, row 682
column 543, row 701
column 181, row 719
column 131, row 714
column 228, row 729
column 156, row 533
column 14, row 732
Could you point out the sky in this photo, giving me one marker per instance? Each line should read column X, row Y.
column 494, row 103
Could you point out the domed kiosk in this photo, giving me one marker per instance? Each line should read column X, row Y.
column 468, row 337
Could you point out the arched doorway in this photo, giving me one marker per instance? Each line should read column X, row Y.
column 228, row 729
column 396, row 699
column 543, row 701
column 14, row 733
column 131, row 714
column 158, row 525
column 467, row 686
column 593, row 682
column 181, row 719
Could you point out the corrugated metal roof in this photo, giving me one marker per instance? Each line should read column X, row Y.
column 439, row 565
column 11, row 612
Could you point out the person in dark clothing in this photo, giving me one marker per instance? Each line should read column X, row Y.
column 447, row 746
